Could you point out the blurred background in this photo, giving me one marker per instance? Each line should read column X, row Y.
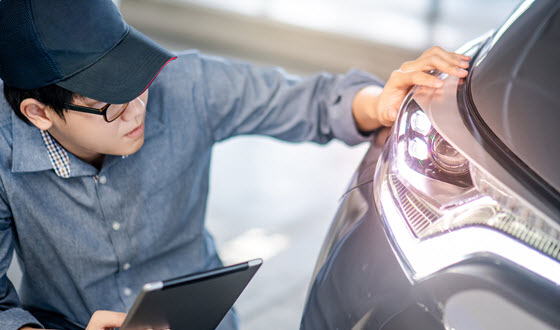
column 275, row 200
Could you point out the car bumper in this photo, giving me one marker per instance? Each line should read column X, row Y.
column 361, row 284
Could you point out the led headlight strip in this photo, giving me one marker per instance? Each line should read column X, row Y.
column 440, row 209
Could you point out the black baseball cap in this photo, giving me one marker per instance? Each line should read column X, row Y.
column 84, row 46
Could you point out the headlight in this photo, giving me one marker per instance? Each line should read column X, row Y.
column 441, row 208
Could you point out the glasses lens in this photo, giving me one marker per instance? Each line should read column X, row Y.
column 115, row 110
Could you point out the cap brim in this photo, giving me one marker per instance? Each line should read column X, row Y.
column 123, row 73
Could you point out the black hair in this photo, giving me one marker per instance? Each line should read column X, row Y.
column 52, row 96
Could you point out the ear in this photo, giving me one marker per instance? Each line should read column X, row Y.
column 37, row 113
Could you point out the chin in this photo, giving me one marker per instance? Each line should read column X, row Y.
column 136, row 146
column 128, row 149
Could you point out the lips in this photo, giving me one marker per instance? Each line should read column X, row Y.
column 137, row 132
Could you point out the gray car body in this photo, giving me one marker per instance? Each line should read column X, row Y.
column 359, row 281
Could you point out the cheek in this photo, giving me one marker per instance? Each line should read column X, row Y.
column 106, row 137
column 94, row 134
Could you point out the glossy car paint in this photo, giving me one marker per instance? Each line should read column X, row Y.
column 516, row 92
column 359, row 282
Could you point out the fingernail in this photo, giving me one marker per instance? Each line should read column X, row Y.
column 438, row 83
column 393, row 114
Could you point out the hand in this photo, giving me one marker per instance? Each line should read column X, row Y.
column 373, row 107
column 102, row 320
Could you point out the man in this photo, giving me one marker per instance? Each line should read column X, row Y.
column 103, row 182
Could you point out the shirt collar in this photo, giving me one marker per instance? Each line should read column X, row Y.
column 57, row 155
column 31, row 153
column 28, row 151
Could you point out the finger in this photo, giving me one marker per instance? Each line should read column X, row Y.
column 403, row 80
column 436, row 50
column 462, row 56
column 388, row 107
column 458, row 59
column 438, row 63
column 444, row 65
column 386, row 117
column 424, row 79
column 431, row 51
column 389, row 116
column 453, row 59
column 105, row 319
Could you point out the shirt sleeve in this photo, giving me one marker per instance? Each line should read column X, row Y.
column 12, row 315
column 244, row 99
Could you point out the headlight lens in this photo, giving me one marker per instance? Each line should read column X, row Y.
column 452, row 209
column 448, row 158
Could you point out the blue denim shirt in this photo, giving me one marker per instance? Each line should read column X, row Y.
column 87, row 245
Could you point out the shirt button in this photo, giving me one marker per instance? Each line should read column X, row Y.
column 116, row 226
column 103, row 179
column 127, row 292
column 126, row 266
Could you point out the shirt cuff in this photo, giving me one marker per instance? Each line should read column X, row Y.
column 15, row 318
column 344, row 125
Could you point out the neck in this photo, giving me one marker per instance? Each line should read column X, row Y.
column 94, row 159
column 96, row 162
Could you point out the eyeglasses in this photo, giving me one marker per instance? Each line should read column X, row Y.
column 109, row 111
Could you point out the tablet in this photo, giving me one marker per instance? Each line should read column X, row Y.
column 197, row 301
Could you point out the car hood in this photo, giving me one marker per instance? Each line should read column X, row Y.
column 514, row 87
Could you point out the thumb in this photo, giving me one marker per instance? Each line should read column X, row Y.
column 389, row 104
column 392, row 113
column 388, row 114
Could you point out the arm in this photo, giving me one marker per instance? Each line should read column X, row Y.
column 12, row 315
column 243, row 99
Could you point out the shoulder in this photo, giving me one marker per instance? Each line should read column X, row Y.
column 184, row 68
column 192, row 67
column 176, row 79
column 176, row 96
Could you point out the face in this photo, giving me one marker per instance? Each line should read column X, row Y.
column 89, row 136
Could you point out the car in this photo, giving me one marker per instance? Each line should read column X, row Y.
column 454, row 223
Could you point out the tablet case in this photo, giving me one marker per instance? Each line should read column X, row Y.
column 198, row 301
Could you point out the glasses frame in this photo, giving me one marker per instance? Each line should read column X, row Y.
column 101, row 111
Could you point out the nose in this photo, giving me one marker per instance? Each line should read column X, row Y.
column 135, row 108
